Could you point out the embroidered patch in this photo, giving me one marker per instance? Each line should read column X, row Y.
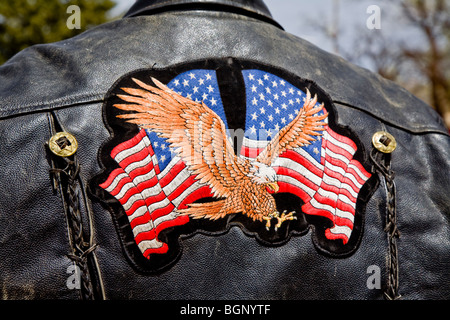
column 203, row 146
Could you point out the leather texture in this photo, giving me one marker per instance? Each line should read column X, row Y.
column 68, row 81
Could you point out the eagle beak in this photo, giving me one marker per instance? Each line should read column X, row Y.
column 273, row 186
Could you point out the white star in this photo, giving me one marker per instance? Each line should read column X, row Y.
column 260, row 81
column 291, row 91
column 251, row 77
column 254, row 116
column 252, row 129
column 253, row 88
column 269, row 132
column 284, row 106
column 274, row 84
column 282, row 82
column 163, row 146
column 185, row 82
column 213, row 101
column 316, row 151
column 283, row 93
column 204, row 96
column 263, row 111
column 261, row 96
column 270, row 103
column 270, row 117
column 210, row 88
column 277, row 110
column 277, row 127
column 291, row 102
column 208, row 76
column 275, row 96
column 163, row 158
column 266, row 77
column 283, row 120
column 262, row 124
column 176, row 82
column 192, row 75
column 195, row 89
column 155, row 144
column 254, row 101
column 201, row 81
column 268, row 90
column 291, row 116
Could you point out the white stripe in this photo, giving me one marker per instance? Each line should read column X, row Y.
column 125, row 188
column 170, row 216
column 131, row 151
column 337, row 156
column 345, row 214
column 148, row 226
column 144, row 177
column 176, row 181
column 322, row 206
column 341, row 144
column 138, row 213
column 341, row 230
column 250, row 143
column 291, row 164
column 157, row 205
column 142, row 163
column 131, row 201
column 358, row 171
column 196, row 185
column 297, row 183
column 116, row 181
column 149, row 244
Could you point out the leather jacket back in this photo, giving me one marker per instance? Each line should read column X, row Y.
column 57, row 222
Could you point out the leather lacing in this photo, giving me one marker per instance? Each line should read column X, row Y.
column 383, row 166
column 65, row 176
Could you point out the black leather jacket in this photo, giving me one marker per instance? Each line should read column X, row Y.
column 57, row 223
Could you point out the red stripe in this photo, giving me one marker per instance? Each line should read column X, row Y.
column 297, row 157
column 136, row 157
column 172, row 173
column 128, row 144
column 179, row 221
column 287, row 187
column 140, row 220
column 163, row 249
column 336, row 236
column 202, row 192
column 294, row 174
column 342, row 139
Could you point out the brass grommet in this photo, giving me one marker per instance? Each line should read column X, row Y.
column 63, row 144
column 384, row 141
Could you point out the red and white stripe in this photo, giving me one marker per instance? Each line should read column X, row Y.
column 329, row 188
column 149, row 197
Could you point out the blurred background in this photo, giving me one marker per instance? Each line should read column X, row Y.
column 406, row 41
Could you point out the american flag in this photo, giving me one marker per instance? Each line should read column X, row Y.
column 152, row 182
column 323, row 174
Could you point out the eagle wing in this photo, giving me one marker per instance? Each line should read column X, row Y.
column 298, row 133
column 194, row 131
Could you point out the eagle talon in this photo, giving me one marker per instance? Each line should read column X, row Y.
column 281, row 219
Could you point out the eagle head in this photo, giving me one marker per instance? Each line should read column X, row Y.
column 263, row 174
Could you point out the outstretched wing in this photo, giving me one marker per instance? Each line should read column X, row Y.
column 194, row 131
column 298, row 133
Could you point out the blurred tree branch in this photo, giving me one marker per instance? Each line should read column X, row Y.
column 422, row 68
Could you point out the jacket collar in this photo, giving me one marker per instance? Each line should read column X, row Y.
column 253, row 8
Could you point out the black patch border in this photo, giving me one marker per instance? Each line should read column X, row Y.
column 121, row 131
